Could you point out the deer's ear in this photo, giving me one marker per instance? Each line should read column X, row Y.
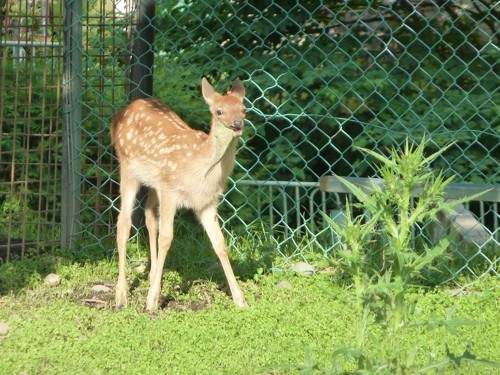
column 207, row 90
column 238, row 89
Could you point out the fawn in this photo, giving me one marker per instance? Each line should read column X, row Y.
column 181, row 167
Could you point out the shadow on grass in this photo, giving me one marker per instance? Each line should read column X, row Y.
column 191, row 257
column 20, row 273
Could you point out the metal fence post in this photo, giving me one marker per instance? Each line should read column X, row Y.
column 72, row 118
column 141, row 71
column 141, row 52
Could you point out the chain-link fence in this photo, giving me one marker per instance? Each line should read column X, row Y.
column 321, row 77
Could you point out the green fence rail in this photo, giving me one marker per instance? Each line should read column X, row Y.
column 321, row 77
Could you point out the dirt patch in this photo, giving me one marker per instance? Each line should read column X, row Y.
column 97, row 295
column 183, row 305
column 190, row 296
column 195, row 297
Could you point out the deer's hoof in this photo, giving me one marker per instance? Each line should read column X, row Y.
column 152, row 302
column 241, row 303
column 121, row 295
column 121, row 301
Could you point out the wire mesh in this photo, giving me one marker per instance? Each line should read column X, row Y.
column 30, row 125
column 322, row 77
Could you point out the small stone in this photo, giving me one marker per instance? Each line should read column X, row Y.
column 283, row 285
column 329, row 271
column 4, row 328
column 457, row 292
column 52, row 279
column 99, row 288
column 303, row 268
column 141, row 268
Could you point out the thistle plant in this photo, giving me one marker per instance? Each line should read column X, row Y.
column 411, row 194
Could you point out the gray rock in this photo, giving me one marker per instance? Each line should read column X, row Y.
column 99, row 288
column 303, row 268
column 4, row 328
column 141, row 268
column 52, row 279
column 460, row 292
column 283, row 285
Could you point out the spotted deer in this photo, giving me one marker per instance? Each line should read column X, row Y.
column 181, row 167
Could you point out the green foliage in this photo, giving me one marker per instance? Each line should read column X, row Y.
column 380, row 254
column 29, row 127
column 311, row 67
column 17, row 219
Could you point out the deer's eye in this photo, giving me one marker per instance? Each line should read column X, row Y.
column 219, row 112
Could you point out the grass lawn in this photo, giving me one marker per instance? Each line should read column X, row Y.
column 292, row 321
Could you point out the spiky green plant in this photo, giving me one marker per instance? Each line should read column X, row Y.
column 391, row 215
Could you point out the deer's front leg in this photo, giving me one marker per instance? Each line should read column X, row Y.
column 208, row 218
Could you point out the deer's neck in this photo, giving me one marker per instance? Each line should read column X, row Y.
column 224, row 147
column 222, row 139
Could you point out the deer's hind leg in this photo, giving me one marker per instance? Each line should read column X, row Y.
column 128, row 190
column 166, row 210
column 152, row 226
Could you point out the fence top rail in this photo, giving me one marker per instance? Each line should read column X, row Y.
column 282, row 184
column 29, row 43
column 491, row 193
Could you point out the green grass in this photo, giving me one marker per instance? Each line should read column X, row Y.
column 360, row 313
column 55, row 330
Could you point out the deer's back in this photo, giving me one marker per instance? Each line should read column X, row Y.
column 146, row 129
column 159, row 150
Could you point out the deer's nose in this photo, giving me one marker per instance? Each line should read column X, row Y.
column 237, row 124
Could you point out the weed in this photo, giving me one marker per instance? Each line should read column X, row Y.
column 380, row 254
